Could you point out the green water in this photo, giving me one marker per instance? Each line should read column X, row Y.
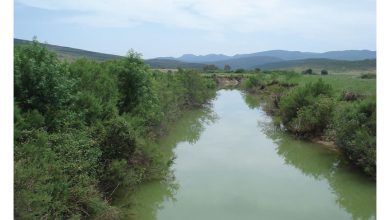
column 231, row 163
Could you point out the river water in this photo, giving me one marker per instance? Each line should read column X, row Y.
column 231, row 163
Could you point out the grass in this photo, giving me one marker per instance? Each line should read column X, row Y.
column 340, row 83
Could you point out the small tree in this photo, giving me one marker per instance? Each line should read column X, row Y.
column 241, row 70
column 227, row 68
column 308, row 72
column 324, row 72
column 211, row 68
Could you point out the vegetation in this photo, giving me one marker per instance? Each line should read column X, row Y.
column 81, row 129
column 308, row 71
column 336, row 108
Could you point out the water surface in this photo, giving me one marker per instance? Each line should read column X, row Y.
column 231, row 163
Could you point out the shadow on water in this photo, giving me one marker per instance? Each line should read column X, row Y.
column 153, row 194
column 354, row 192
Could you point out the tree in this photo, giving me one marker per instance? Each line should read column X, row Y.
column 210, row 68
column 324, row 72
column 308, row 72
column 227, row 68
column 241, row 70
column 257, row 70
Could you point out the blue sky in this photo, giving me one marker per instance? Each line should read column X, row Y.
column 173, row 27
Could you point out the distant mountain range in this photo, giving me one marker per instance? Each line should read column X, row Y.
column 280, row 54
column 267, row 60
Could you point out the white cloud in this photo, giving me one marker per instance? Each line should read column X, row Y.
column 241, row 16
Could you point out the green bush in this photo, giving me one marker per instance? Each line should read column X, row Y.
column 42, row 82
column 324, row 72
column 253, row 82
column 355, row 129
column 55, row 176
column 117, row 140
column 306, row 110
column 79, row 126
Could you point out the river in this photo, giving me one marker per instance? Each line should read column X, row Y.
column 232, row 164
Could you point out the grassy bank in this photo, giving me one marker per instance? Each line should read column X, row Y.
column 337, row 108
column 81, row 128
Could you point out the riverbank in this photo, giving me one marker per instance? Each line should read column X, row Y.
column 82, row 129
column 329, row 109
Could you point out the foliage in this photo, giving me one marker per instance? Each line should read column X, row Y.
column 306, row 110
column 240, row 70
column 368, row 76
column 308, row 72
column 253, row 82
column 41, row 83
column 308, row 106
column 210, row 68
column 355, row 132
column 324, row 72
column 80, row 129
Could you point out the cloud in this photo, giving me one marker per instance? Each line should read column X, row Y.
column 240, row 16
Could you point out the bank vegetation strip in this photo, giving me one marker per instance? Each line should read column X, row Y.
column 332, row 108
column 82, row 129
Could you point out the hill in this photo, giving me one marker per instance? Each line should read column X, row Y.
column 246, row 62
column 69, row 53
column 172, row 64
column 334, row 61
column 297, row 55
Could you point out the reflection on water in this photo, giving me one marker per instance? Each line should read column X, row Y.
column 232, row 163
column 151, row 196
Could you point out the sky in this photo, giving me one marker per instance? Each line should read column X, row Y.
column 161, row 28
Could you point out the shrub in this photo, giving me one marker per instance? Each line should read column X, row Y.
column 240, row 70
column 42, row 82
column 117, row 140
column 253, row 82
column 350, row 96
column 308, row 72
column 355, row 132
column 306, row 110
column 324, row 72
column 368, row 76
column 55, row 176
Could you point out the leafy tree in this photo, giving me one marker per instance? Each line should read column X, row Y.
column 42, row 82
column 308, row 72
column 240, row 70
column 210, row 68
column 324, row 72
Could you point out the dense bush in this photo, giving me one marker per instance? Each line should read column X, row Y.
column 55, row 176
column 240, row 70
column 41, row 83
column 368, row 76
column 79, row 129
column 308, row 109
column 253, row 82
column 308, row 72
column 355, row 128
